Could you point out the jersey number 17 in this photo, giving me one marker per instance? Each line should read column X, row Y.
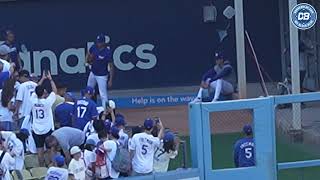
column 81, row 111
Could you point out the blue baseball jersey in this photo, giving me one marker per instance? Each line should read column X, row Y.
column 244, row 153
column 218, row 72
column 14, row 54
column 85, row 110
column 64, row 113
column 101, row 59
column 3, row 77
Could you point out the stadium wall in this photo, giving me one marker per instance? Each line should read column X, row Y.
column 155, row 43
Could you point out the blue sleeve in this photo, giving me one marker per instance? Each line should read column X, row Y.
column 5, row 75
column 225, row 72
column 209, row 74
column 93, row 110
column 235, row 155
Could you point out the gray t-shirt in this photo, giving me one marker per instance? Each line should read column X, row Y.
column 69, row 137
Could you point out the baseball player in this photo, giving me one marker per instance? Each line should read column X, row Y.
column 85, row 109
column 42, row 117
column 244, row 149
column 218, row 79
column 100, row 58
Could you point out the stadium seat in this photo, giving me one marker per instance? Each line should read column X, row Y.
column 25, row 173
column 39, row 172
column 31, row 161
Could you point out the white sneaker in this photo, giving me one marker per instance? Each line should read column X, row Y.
column 214, row 100
column 196, row 100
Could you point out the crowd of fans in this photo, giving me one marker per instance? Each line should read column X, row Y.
column 71, row 136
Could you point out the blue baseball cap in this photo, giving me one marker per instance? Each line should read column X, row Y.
column 107, row 125
column 114, row 131
column 120, row 121
column 247, row 129
column 101, row 38
column 70, row 96
column 87, row 90
column 59, row 160
column 168, row 136
column 218, row 55
column 148, row 124
column 24, row 131
column 90, row 142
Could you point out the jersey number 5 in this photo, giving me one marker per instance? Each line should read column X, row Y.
column 248, row 152
column 144, row 149
column 81, row 111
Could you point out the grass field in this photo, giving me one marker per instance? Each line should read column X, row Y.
column 286, row 152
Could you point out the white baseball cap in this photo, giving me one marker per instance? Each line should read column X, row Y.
column 74, row 150
column 4, row 50
column 112, row 104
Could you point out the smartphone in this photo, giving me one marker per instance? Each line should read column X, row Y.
column 157, row 120
column 46, row 72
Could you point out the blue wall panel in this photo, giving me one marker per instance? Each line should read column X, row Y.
column 181, row 43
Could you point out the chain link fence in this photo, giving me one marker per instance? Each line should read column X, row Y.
column 298, row 144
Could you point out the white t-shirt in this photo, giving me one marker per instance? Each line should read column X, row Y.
column 6, row 65
column 42, row 113
column 57, row 174
column 7, row 162
column 89, row 157
column 162, row 158
column 78, row 169
column 15, row 146
column 5, row 113
column 94, row 136
column 123, row 138
column 144, row 146
column 111, row 144
column 24, row 93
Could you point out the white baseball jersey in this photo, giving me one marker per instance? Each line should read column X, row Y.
column 42, row 113
column 144, row 146
column 6, row 65
column 24, row 93
column 123, row 139
column 162, row 159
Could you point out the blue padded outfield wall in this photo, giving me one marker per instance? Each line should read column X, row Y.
column 155, row 43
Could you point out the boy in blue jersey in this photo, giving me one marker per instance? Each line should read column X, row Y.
column 85, row 109
column 218, row 79
column 64, row 111
column 244, row 153
column 100, row 58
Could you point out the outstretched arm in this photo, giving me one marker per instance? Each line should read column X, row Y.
column 53, row 85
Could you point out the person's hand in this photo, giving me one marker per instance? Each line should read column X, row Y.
column 49, row 76
column 15, row 116
column 109, row 110
column 205, row 85
column 43, row 75
column 109, row 83
column 160, row 124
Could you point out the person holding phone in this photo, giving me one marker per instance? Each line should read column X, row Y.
column 142, row 148
column 42, row 117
